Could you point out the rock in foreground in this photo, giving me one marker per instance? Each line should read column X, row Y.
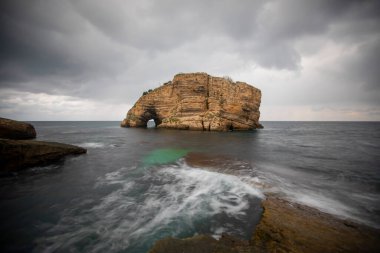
column 21, row 154
column 290, row 227
column 16, row 130
column 201, row 244
column 198, row 101
column 285, row 227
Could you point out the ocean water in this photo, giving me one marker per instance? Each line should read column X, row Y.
column 136, row 186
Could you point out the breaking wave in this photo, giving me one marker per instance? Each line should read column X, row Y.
column 171, row 200
column 91, row 145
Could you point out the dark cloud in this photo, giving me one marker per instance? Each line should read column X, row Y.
column 164, row 25
column 113, row 50
column 49, row 43
column 30, row 35
column 363, row 70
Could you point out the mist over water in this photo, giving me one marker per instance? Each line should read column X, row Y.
column 135, row 185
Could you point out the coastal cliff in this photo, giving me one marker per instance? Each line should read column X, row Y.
column 198, row 101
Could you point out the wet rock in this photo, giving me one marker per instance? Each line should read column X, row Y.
column 219, row 163
column 20, row 154
column 290, row 227
column 285, row 227
column 198, row 101
column 200, row 244
column 16, row 130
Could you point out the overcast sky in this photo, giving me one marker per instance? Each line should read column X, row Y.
column 92, row 59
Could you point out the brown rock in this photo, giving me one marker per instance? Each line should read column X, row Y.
column 200, row 244
column 290, row 227
column 285, row 227
column 218, row 163
column 198, row 101
column 17, row 130
column 20, row 154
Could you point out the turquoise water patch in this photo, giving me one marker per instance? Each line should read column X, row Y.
column 164, row 155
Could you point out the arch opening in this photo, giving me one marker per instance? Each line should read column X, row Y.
column 151, row 123
column 150, row 119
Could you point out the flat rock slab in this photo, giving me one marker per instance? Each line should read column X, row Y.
column 285, row 227
column 218, row 163
column 20, row 154
column 200, row 244
column 290, row 227
column 16, row 130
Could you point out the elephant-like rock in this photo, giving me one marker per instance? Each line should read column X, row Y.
column 198, row 101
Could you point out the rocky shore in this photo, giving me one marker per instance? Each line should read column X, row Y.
column 285, row 227
column 21, row 154
column 17, row 152
column 16, row 130
column 291, row 227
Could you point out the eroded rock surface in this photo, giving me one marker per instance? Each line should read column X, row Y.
column 198, row 101
column 201, row 244
column 285, row 227
column 16, row 130
column 290, row 227
column 21, row 154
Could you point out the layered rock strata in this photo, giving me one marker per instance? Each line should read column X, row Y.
column 198, row 101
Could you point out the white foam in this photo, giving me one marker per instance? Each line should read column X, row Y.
column 196, row 193
column 91, row 145
column 299, row 187
column 162, row 202
column 218, row 232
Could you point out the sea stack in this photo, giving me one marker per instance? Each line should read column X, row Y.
column 198, row 101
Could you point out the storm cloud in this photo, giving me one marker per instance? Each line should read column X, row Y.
column 313, row 60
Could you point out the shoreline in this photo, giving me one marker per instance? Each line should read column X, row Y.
column 285, row 227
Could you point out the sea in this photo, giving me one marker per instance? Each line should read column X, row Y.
column 136, row 186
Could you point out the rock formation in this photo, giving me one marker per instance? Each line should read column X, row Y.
column 295, row 228
column 198, row 101
column 16, row 130
column 201, row 244
column 21, row 154
column 285, row 227
column 17, row 152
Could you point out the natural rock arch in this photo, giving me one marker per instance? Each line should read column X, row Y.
column 198, row 101
column 150, row 113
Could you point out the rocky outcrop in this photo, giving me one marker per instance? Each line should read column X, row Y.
column 16, row 130
column 285, row 227
column 198, row 101
column 295, row 228
column 201, row 244
column 17, row 152
column 20, row 154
